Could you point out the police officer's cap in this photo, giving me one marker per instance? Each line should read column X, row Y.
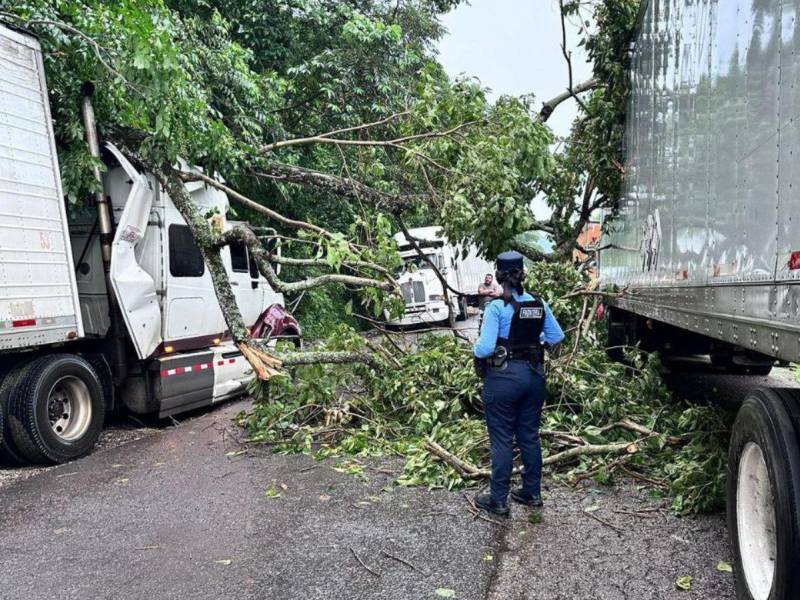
column 508, row 261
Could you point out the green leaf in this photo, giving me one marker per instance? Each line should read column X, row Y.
column 535, row 517
column 724, row 567
column 684, row 583
column 445, row 593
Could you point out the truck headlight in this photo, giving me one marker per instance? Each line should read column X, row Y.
column 436, row 298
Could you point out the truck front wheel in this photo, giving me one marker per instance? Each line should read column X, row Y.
column 57, row 409
column 764, row 496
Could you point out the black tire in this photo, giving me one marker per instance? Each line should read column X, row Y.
column 31, row 409
column 10, row 456
column 765, row 439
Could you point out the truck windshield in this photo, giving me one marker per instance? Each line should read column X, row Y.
column 415, row 263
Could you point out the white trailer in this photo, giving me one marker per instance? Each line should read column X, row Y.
column 461, row 267
column 115, row 309
column 705, row 251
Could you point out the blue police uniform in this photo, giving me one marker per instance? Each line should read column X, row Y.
column 513, row 397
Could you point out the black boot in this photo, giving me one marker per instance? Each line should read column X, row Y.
column 517, row 495
column 485, row 502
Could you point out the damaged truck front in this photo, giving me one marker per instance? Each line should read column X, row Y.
column 113, row 308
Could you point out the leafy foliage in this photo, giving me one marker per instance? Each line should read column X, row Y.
column 333, row 410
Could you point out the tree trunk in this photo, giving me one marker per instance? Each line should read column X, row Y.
column 263, row 364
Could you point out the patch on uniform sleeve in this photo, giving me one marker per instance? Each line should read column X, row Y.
column 531, row 312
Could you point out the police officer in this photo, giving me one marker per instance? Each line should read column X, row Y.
column 516, row 329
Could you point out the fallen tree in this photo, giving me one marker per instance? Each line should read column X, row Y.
column 420, row 400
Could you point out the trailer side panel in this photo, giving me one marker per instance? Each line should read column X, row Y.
column 707, row 235
column 38, row 293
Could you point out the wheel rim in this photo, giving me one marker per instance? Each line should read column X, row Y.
column 69, row 408
column 755, row 519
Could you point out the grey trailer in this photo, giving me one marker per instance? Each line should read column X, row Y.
column 705, row 250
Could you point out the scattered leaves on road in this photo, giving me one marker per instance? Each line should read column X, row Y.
column 445, row 593
column 488, row 558
column 684, row 583
column 535, row 517
column 272, row 493
column 724, row 567
column 224, row 561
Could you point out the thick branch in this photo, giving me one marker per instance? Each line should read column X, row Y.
column 260, row 208
column 592, row 450
column 550, row 105
column 334, row 184
column 340, row 358
column 393, row 143
column 263, row 258
column 253, row 205
column 470, row 471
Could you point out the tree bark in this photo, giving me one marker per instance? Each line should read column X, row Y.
column 339, row 358
column 262, row 260
column 550, row 105
column 334, row 184
column 263, row 364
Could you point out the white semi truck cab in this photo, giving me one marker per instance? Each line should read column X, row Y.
column 423, row 293
column 110, row 309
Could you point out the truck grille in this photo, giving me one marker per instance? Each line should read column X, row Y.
column 413, row 292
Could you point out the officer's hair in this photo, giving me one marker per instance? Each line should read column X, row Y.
column 511, row 280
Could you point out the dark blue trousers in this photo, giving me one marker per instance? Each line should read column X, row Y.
column 513, row 400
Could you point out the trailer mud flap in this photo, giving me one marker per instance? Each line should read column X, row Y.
column 134, row 287
column 184, row 382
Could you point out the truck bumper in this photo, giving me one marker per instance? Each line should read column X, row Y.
column 422, row 314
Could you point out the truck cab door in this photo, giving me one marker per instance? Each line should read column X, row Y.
column 247, row 287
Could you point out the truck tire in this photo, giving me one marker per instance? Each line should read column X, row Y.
column 9, row 455
column 57, row 410
column 764, row 496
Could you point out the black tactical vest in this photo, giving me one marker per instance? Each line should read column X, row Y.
column 523, row 341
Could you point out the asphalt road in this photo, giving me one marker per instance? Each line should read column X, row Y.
column 179, row 514
column 182, row 512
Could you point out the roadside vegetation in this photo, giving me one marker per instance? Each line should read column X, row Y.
column 332, row 123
